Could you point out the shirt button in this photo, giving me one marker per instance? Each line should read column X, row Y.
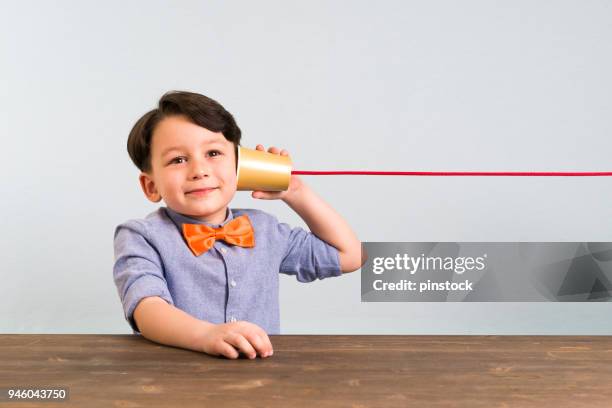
column 224, row 250
column 233, row 283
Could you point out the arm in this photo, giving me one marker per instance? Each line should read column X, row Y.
column 327, row 224
column 163, row 323
column 321, row 218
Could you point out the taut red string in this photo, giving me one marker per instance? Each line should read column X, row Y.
column 456, row 173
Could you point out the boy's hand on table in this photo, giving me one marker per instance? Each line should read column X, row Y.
column 227, row 339
column 295, row 183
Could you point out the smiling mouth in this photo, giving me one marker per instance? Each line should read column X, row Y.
column 201, row 191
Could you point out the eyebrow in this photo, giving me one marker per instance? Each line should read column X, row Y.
column 168, row 150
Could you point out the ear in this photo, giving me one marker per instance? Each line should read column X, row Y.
column 148, row 187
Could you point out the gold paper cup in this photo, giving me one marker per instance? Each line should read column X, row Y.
column 259, row 170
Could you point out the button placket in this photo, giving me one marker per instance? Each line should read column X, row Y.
column 230, row 306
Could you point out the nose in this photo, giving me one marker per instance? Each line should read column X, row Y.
column 198, row 169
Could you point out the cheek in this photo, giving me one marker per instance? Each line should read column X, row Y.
column 230, row 179
column 172, row 181
column 229, row 173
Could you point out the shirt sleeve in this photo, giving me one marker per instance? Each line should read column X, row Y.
column 307, row 256
column 137, row 271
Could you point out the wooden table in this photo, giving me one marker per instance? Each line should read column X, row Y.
column 317, row 371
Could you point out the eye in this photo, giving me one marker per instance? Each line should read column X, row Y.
column 214, row 153
column 176, row 160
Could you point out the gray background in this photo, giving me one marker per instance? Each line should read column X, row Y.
column 396, row 85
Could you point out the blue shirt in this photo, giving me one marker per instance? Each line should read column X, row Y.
column 226, row 283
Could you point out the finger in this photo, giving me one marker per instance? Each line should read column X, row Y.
column 273, row 149
column 265, row 338
column 284, row 152
column 268, row 344
column 227, row 350
column 257, row 342
column 243, row 345
column 259, row 147
column 267, row 195
column 262, row 194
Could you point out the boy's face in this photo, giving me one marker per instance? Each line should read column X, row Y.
column 186, row 157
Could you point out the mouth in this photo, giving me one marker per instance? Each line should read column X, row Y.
column 201, row 191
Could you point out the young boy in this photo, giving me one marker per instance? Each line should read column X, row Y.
column 197, row 274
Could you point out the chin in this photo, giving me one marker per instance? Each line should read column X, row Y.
column 206, row 211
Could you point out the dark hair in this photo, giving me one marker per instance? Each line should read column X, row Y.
column 199, row 109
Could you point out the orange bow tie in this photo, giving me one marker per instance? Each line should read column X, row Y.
column 200, row 238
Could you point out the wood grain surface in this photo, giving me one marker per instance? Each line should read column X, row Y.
column 316, row 371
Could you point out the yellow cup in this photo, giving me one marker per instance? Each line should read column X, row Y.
column 259, row 170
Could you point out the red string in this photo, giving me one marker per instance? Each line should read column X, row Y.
column 456, row 173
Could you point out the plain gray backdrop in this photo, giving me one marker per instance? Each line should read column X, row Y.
column 390, row 85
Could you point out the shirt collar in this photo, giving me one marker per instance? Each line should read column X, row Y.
column 180, row 219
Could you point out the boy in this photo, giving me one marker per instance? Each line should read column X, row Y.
column 199, row 275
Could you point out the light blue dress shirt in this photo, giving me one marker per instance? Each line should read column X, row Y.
column 225, row 284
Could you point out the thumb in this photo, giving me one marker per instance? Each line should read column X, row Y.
column 265, row 195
